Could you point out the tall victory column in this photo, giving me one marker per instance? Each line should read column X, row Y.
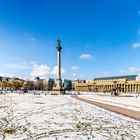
column 59, row 48
column 57, row 89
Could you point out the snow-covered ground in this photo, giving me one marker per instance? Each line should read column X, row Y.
column 131, row 101
column 40, row 117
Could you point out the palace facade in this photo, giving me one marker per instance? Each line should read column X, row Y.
column 128, row 83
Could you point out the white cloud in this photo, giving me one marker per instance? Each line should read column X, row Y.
column 13, row 76
column 54, row 70
column 40, row 71
column 136, row 45
column 74, row 67
column 2, row 74
column 9, row 75
column 74, row 76
column 30, row 79
column 130, row 70
column 17, row 66
column 33, row 62
column 134, row 70
column 86, row 56
column 122, row 72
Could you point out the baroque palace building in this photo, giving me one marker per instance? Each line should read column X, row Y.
column 128, row 83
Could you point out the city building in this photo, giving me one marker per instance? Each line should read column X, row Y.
column 128, row 83
column 38, row 82
column 44, row 84
column 8, row 83
column 67, row 84
column 48, row 84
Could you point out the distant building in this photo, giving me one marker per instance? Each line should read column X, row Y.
column 49, row 83
column 38, row 83
column 67, row 84
column 8, row 83
column 128, row 83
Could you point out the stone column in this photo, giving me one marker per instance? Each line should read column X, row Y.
column 59, row 62
column 57, row 89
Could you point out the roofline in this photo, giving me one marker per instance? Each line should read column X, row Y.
column 114, row 77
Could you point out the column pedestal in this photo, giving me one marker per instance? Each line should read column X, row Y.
column 57, row 88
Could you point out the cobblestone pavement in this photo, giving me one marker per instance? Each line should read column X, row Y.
column 29, row 117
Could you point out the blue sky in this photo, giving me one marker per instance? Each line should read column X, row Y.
column 99, row 37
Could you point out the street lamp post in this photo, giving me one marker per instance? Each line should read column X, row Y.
column 114, row 89
column 94, row 86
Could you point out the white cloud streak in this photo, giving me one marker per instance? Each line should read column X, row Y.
column 130, row 70
column 17, row 66
column 134, row 70
column 2, row 74
column 86, row 56
column 75, row 68
column 8, row 75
